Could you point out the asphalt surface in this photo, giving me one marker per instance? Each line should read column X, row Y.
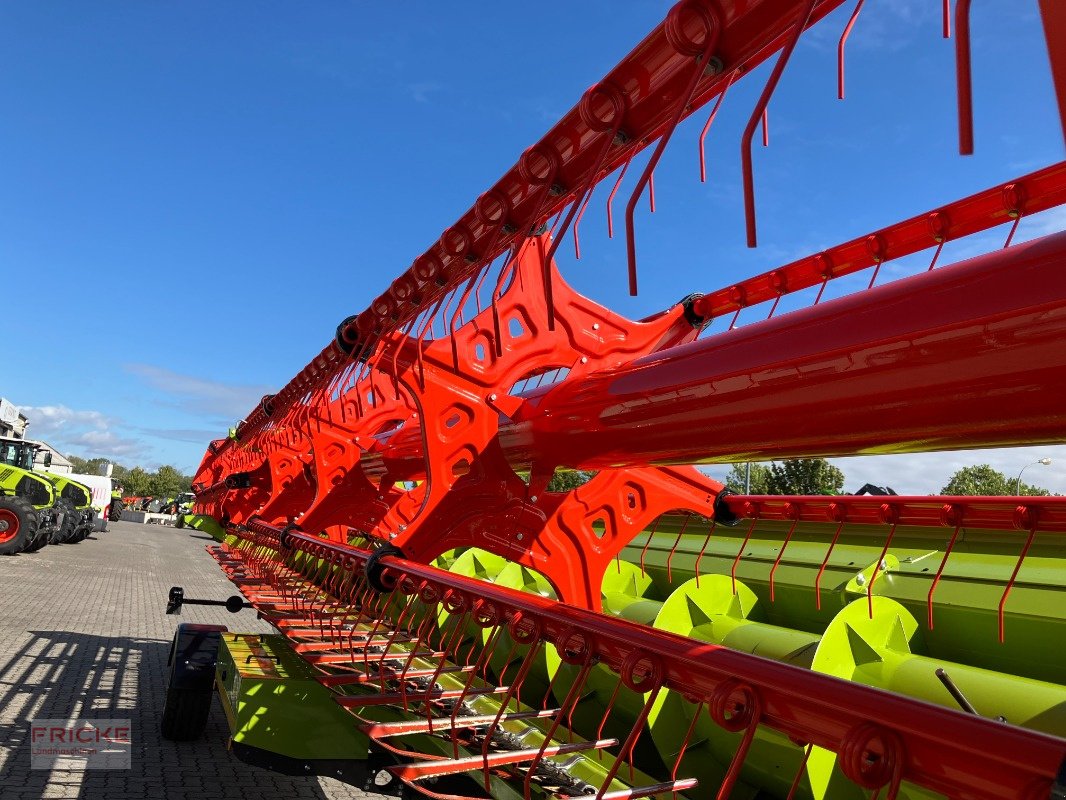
column 83, row 635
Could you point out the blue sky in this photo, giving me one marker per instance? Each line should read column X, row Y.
column 193, row 194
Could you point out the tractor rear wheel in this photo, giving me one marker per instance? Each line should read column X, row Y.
column 18, row 525
column 65, row 532
column 185, row 713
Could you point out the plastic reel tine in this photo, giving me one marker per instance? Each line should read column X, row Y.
column 507, row 661
column 773, row 308
column 881, row 559
column 936, row 254
column 673, row 549
column 548, row 691
column 781, row 553
column 651, row 685
column 610, row 197
column 944, row 561
column 963, row 76
column 455, row 317
column 651, row 533
column 740, row 552
column 462, row 696
column 577, row 225
column 703, row 550
column 757, row 114
column 609, row 707
column 509, row 266
column 946, row 19
column 511, row 693
column 572, row 698
column 709, row 122
column 685, row 742
column 840, row 48
column 379, row 619
column 1022, row 514
column 710, row 42
column 799, row 773
column 1013, row 228
column 745, row 718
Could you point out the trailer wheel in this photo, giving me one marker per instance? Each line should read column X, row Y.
column 193, row 655
column 18, row 525
column 65, row 532
column 185, row 713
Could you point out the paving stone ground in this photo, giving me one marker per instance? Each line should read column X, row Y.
column 83, row 634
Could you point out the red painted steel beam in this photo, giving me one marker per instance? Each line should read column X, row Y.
column 932, row 362
column 1027, row 195
column 1047, row 514
column 643, row 88
column 947, row 751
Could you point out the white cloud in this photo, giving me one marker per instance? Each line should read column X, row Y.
column 86, row 433
column 201, row 396
column 928, row 473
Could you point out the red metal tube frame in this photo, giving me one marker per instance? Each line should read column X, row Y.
column 1029, row 194
column 941, row 749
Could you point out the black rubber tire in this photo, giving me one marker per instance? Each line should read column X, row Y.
column 185, row 713
column 65, row 532
column 39, row 541
column 180, row 521
column 114, row 511
column 18, row 512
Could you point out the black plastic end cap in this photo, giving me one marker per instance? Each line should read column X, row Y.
column 374, row 567
column 283, row 537
column 723, row 514
column 343, row 344
column 688, row 305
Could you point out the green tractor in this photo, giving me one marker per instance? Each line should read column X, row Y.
column 72, row 502
column 29, row 516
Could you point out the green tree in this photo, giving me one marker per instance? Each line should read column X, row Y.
column 166, row 482
column 135, row 482
column 760, row 479
column 566, row 479
column 983, row 480
column 805, row 476
column 78, row 464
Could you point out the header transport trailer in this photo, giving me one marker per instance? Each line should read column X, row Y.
column 449, row 626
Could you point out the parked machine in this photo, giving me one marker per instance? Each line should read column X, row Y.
column 74, row 500
column 448, row 627
column 30, row 512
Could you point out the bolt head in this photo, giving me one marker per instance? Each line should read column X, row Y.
column 860, row 579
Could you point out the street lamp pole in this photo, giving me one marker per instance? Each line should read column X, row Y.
column 1018, row 481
